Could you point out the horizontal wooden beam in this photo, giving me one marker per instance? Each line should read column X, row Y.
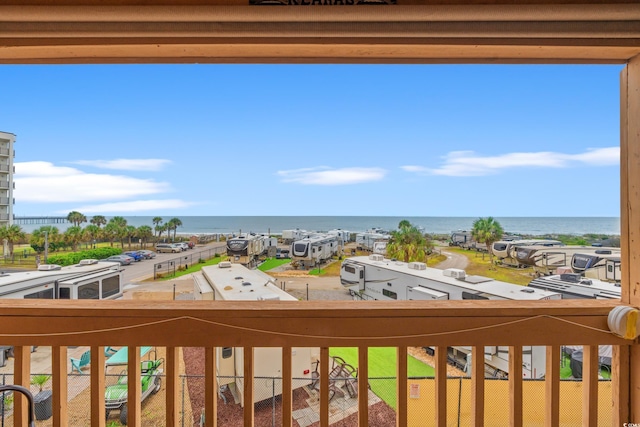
column 307, row 324
column 234, row 32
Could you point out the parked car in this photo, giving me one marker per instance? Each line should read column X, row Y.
column 136, row 255
column 167, row 247
column 147, row 254
column 122, row 259
column 182, row 245
column 191, row 245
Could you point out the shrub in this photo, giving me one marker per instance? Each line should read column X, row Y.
column 76, row 257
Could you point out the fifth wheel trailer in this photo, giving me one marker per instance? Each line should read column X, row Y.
column 378, row 278
column 234, row 282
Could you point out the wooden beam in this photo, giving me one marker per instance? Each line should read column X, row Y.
column 401, row 398
column 632, row 211
column 620, row 379
column 363, row 386
column 441, row 386
column 248, row 386
column 134, row 387
column 21, row 376
column 172, row 362
column 211, row 387
column 287, row 387
column 324, row 386
column 59, row 374
column 477, row 386
column 590, row 372
column 552, row 386
column 515, row 386
column 98, row 385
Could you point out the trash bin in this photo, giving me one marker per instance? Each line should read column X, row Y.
column 43, row 402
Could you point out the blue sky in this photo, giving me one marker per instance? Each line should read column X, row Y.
column 397, row 140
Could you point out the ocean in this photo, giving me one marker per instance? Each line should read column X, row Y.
column 435, row 225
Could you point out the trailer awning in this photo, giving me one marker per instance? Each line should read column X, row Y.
column 121, row 356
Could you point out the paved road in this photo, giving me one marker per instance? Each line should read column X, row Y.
column 453, row 260
column 143, row 270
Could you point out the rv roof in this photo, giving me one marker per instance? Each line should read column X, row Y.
column 477, row 284
column 238, row 283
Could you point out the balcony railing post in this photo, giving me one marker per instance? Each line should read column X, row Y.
column 22, row 376
column 552, row 386
column 248, row 386
column 211, row 388
column 171, row 397
column 515, row 386
column 590, row 386
column 97, row 386
column 134, row 386
column 60, row 380
column 287, row 386
column 324, row 387
column 363, row 386
column 402, row 373
column 477, row 384
column 441, row 386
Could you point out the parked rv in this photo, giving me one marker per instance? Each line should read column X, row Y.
column 575, row 286
column 365, row 241
column 377, row 278
column 234, row 282
column 315, row 249
column 506, row 250
column 546, row 260
column 246, row 249
column 89, row 279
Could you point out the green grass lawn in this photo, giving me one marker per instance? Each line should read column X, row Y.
column 194, row 268
column 272, row 263
column 382, row 364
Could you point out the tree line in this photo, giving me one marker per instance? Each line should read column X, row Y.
column 98, row 229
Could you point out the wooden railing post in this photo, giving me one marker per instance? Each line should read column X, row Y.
column 324, row 387
column 211, row 388
column 97, row 386
column 552, row 386
column 363, row 386
column 441, row 386
column 22, row 376
column 60, row 381
column 515, row 386
column 134, row 387
column 248, row 387
column 590, row 369
column 477, row 386
column 287, row 387
column 402, row 373
column 172, row 386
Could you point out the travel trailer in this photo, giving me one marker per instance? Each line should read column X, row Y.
column 378, row 278
column 600, row 265
column 290, row 236
column 344, row 235
column 574, row 286
column 234, row 282
column 315, row 249
column 506, row 250
column 546, row 260
column 465, row 240
column 365, row 241
column 246, row 249
column 89, row 279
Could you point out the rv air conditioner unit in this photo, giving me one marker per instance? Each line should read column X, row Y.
column 376, row 257
column 417, row 265
column 456, row 273
column 269, row 297
column 88, row 261
column 49, row 267
column 224, row 264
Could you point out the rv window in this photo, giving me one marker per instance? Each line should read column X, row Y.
column 46, row 294
column 64, row 293
column 469, row 295
column 349, row 269
column 110, row 286
column 389, row 294
column 362, row 274
column 610, row 268
column 227, row 352
column 89, row 291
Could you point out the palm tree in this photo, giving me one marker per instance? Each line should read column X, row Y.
column 487, row 230
column 110, row 232
column 11, row 234
column 130, row 232
column 91, row 233
column 72, row 236
column 156, row 223
column 173, row 224
column 98, row 220
column 144, row 232
column 161, row 229
column 408, row 243
column 120, row 226
column 37, row 239
column 76, row 218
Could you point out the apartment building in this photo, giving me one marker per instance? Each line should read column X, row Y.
column 6, row 177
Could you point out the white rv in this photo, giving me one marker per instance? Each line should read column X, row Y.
column 315, row 249
column 89, row 279
column 377, row 278
column 506, row 250
column 290, row 236
column 574, row 286
column 246, row 249
column 344, row 235
column 234, row 282
column 365, row 241
column 546, row 260
column 601, row 265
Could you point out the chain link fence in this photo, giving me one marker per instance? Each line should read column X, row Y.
column 182, row 262
column 343, row 406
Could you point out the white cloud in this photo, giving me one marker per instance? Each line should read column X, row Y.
column 326, row 176
column 468, row 163
column 48, row 183
column 133, row 206
column 126, row 164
